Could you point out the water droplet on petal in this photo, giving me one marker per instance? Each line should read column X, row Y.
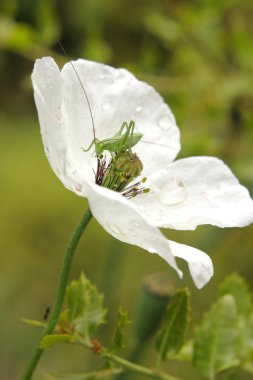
column 115, row 229
column 151, row 250
column 106, row 106
column 102, row 76
column 70, row 168
column 173, row 194
column 164, row 122
column 58, row 117
column 77, row 188
column 138, row 109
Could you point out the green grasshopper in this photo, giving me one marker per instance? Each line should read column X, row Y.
column 123, row 140
column 124, row 166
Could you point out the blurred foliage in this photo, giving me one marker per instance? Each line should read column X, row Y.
column 221, row 346
column 199, row 56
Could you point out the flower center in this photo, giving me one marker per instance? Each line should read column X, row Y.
column 119, row 174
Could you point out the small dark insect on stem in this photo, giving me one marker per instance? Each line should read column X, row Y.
column 47, row 312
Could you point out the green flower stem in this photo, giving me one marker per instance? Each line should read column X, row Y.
column 60, row 293
column 154, row 374
column 140, row 369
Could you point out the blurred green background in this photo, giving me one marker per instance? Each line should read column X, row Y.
column 199, row 56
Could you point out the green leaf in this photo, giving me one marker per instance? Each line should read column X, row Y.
column 49, row 340
column 171, row 337
column 237, row 287
column 119, row 335
column 185, row 353
column 34, row 322
column 85, row 307
column 63, row 325
column 215, row 346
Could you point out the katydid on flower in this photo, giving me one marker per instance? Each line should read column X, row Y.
column 122, row 141
column 124, row 165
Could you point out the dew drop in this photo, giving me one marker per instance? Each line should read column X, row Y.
column 77, row 188
column 174, row 193
column 72, row 170
column 151, row 250
column 164, row 122
column 106, row 106
column 116, row 229
column 58, row 117
column 138, row 109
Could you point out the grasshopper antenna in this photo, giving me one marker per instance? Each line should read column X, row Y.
column 153, row 143
column 85, row 93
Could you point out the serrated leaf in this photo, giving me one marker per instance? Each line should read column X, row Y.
column 172, row 334
column 237, row 287
column 185, row 353
column 85, row 307
column 103, row 374
column 215, row 347
column 63, row 325
column 49, row 340
column 119, row 335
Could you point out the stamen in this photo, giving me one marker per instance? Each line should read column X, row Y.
column 115, row 178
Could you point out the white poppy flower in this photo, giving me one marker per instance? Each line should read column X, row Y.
column 183, row 194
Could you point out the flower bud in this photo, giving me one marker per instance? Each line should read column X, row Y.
column 128, row 164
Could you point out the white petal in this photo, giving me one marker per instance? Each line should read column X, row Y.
column 195, row 191
column 120, row 219
column 200, row 264
column 115, row 96
column 48, row 93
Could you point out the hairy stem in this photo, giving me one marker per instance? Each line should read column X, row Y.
column 60, row 293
